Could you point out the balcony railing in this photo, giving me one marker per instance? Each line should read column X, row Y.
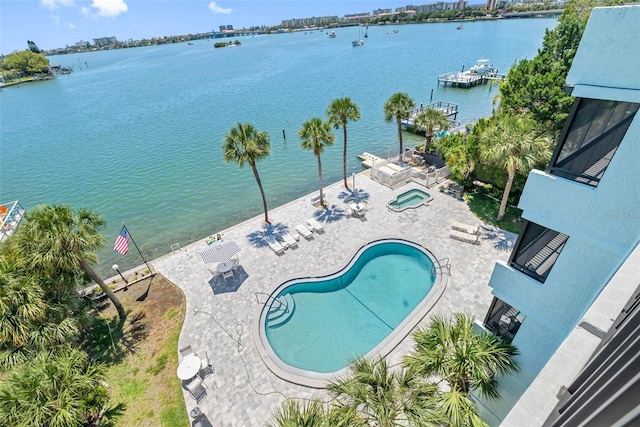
column 537, row 250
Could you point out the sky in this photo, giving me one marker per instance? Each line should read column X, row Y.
column 58, row 23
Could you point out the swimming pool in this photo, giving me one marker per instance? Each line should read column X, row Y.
column 313, row 327
column 409, row 199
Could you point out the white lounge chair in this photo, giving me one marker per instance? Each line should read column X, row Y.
column 470, row 229
column 315, row 225
column 290, row 240
column 308, row 234
column 474, row 239
column 276, row 246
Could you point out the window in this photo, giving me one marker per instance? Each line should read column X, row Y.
column 503, row 320
column 590, row 138
column 537, row 250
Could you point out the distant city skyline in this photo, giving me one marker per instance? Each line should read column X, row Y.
column 58, row 23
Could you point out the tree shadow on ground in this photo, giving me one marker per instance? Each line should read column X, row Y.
column 111, row 415
column 330, row 214
column 110, row 341
column 348, row 195
column 500, row 239
column 269, row 233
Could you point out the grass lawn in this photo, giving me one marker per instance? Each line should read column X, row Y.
column 141, row 357
column 486, row 209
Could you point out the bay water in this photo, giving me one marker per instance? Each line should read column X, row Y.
column 136, row 134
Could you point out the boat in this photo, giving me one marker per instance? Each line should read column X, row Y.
column 460, row 27
column 190, row 44
column 360, row 41
column 483, row 67
column 394, row 31
column 332, row 35
column 366, row 32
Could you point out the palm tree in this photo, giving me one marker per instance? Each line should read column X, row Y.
column 340, row 112
column 244, row 144
column 513, row 143
column 399, row 107
column 315, row 135
column 57, row 241
column 54, row 389
column 381, row 397
column 453, row 352
column 428, row 119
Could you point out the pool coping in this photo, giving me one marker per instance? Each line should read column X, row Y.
column 382, row 349
column 423, row 203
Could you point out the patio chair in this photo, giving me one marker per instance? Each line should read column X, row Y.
column 197, row 389
column 315, row 225
column 349, row 212
column 206, row 368
column 228, row 275
column 185, row 351
column 308, row 234
column 474, row 239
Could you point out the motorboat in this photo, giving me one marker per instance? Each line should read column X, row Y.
column 332, row 35
column 483, row 66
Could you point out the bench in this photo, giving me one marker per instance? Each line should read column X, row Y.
column 470, row 229
column 474, row 239
column 316, row 200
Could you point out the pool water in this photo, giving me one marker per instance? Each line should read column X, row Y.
column 408, row 199
column 341, row 317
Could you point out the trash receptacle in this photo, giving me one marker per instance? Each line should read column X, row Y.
column 196, row 413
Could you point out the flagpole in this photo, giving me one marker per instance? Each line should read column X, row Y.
column 134, row 244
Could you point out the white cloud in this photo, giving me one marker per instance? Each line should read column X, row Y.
column 55, row 4
column 71, row 26
column 109, row 8
column 213, row 7
column 55, row 19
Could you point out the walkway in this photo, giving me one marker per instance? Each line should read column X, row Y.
column 242, row 391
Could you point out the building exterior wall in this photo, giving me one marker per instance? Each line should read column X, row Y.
column 603, row 222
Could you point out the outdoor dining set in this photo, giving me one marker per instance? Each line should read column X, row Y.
column 225, row 254
column 192, row 370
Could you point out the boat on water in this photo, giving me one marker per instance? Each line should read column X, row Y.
column 483, row 67
column 366, row 32
column 394, row 31
column 332, row 35
column 460, row 27
column 359, row 41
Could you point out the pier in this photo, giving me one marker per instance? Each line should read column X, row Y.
column 449, row 109
column 466, row 79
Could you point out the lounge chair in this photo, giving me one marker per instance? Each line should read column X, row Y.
column 276, row 246
column 308, row 234
column 206, row 367
column 290, row 240
column 465, row 237
column 470, row 229
column 185, row 351
column 315, row 225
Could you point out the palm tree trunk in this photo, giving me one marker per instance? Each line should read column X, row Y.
column 505, row 196
column 264, row 199
column 114, row 299
column 320, row 179
column 344, row 157
column 401, row 155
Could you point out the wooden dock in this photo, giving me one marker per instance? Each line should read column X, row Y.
column 467, row 79
column 449, row 109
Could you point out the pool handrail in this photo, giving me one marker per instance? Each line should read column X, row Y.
column 271, row 297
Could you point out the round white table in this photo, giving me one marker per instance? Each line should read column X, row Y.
column 189, row 367
column 223, row 267
column 357, row 207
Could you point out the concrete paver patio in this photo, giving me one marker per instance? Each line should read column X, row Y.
column 219, row 318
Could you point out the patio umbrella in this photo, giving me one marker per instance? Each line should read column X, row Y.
column 220, row 252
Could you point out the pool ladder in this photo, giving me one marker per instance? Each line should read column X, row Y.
column 444, row 266
column 278, row 313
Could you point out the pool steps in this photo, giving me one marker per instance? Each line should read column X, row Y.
column 280, row 313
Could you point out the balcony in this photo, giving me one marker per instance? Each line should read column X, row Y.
column 537, row 250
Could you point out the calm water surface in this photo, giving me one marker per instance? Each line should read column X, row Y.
column 136, row 134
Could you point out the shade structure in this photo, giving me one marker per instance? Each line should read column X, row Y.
column 220, row 252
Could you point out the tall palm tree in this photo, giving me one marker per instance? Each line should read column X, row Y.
column 514, row 143
column 315, row 135
column 428, row 119
column 55, row 240
column 399, row 107
column 451, row 351
column 244, row 144
column 340, row 112
column 383, row 397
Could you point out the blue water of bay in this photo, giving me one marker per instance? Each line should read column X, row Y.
column 136, row 134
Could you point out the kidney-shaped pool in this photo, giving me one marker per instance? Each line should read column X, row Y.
column 311, row 328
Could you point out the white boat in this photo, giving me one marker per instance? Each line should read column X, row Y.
column 360, row 40
column 460, row 27
column 332, row 35
column 484, row 67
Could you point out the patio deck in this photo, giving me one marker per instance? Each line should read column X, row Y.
column 243, row 391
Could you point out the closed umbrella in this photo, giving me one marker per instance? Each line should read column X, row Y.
column 220, row 252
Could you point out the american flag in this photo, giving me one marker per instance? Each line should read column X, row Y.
column 122, row 242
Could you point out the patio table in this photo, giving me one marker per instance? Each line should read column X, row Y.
column 189, row 367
